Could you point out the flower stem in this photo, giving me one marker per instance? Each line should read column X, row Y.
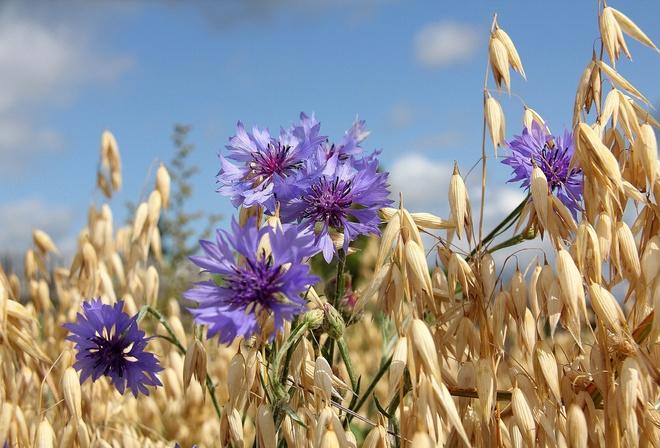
column 505, row 224
column 355, row 382
column 289, row 344
column 175, row 341
column 383, row 368
column 341, row 265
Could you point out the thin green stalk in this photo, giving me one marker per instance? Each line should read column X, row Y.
column 175, row 341
column 286, row 350
column 341, row 265
column 346, row 357
column 355, row 381
column 329, row 347
column 505, row 224
column 372, row 385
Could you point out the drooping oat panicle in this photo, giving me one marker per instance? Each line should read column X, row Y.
column 502, row 55
column 612, row 23
column 611, row 35
column 512, row 53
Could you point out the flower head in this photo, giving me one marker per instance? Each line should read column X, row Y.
column 260, row 168
column 350, row 143
column 109, row 342
column 254, row 283
column 340, row 195
column 553, row 156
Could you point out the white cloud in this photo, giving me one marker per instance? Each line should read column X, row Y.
column 500, row 202
column 423, row 182
column 43, row 61
column 445, row 43
column 21, row 217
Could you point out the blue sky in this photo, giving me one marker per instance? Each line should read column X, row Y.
column 413, row 69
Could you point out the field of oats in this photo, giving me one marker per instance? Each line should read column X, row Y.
column 325, row 313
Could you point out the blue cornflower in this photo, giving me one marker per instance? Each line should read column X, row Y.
column 344, row 195
column 252, row 283
column 261, row 168
column 553, row 156
column 109, row 343
column 350, row 143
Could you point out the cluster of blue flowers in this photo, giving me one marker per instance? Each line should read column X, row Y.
column 317, row 187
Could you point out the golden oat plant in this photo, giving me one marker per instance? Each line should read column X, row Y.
column 561, row 352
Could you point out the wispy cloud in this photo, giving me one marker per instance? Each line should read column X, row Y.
column 21, row 217
column 422, row 181
column 444, row 43
column 44, row 61
column 230, row 13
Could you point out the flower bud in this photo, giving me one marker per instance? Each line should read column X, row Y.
column 333, row 324
column 314, row 318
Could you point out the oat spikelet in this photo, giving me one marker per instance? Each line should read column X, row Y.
column 577, row 427
column 43, row 242
column 499, row 62
column 648, row 151
column 606, row 308
column 163, row 184
column 631, row 29
column 45, row 435
column 627, row 251
column 539, row 190
column 512, row 53
column 485, row 388
column 612, row 36
column 495, row 121
column 530, row 116
column 622, row 82
column 458, row 202
column 523, row 415
column 416, row 262
column 72, row 393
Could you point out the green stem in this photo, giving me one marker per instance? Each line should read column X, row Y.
column 346, row 357
column 508, row 243
column 278, row 385
column 341, row 265
column 290, row 342
column 175, row 341
column 505, row 224
column 290, row 347
column 355, row 382
column 329, row 347
column 372, row 385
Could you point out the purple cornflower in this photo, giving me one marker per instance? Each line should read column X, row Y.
column 344, row 196
column 266, row 167
column 350, row 143
column 252, row 284
column 109, row 342
column 553, row 156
